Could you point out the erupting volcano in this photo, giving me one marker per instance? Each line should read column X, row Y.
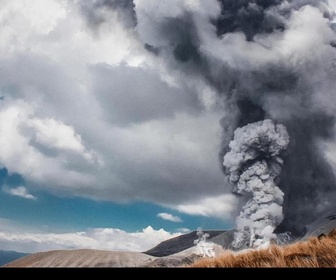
column 271, row 66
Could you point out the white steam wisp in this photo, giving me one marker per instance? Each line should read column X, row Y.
column 205, row 248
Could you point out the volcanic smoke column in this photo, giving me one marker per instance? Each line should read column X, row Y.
column 254, row 164
column 252, row 59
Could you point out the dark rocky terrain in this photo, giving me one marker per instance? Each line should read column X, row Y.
column 181, row 243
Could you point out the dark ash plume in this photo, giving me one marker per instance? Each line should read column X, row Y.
column 307, row 178
column 250, row 17
column 94, row 11
column 271, row 59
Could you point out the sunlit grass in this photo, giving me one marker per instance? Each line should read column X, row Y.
column 314, row 252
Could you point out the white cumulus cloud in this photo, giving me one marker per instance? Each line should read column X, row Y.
column 169, row 217
column 221, row 206
column 96, row 238
column 20, row 191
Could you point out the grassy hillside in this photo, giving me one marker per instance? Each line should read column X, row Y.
column 316, row 252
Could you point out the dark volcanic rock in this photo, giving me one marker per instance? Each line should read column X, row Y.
column 321, row 227
column 180, row 243
column 224, row 239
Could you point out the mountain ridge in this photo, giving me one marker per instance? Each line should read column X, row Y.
column 7, row 256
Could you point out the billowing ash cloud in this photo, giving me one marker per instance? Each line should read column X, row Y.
column 263, row 60
column 97, row 11
column 254, row 164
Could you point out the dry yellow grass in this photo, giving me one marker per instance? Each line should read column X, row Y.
column 314, row 252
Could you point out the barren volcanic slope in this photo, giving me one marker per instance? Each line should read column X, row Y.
column 82, row 258
column 180, row 243
column 101, row 258
column 177, row 251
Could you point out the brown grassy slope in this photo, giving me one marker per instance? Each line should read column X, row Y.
column 314, row 252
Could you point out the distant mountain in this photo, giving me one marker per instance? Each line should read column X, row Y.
column 9, row 256
column 180, row 243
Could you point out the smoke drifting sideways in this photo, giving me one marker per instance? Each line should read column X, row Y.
column 262, row 60
column 254, row 164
